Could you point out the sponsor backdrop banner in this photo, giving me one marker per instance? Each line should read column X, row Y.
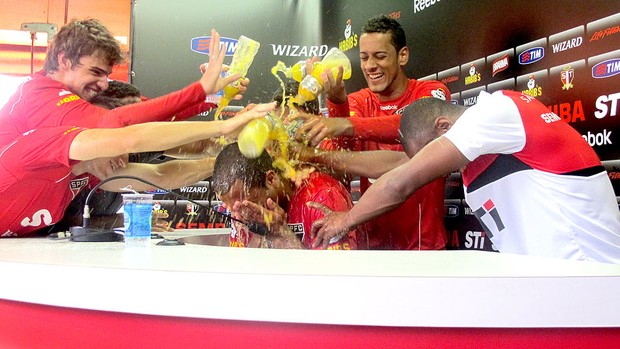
column 564, row 53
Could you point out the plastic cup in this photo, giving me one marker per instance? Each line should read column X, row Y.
column 137, row 214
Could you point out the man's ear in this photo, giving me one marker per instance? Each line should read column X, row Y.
column 403, row 56
column 271, row 179
column 64, row 63
column 442, row 124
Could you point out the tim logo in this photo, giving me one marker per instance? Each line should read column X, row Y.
column 606, row 69
column 490, row 209
column 532, row 55
column 201, row 45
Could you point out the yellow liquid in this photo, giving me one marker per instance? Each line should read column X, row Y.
column 229, row 93
column 280, row 67
column 274, row 136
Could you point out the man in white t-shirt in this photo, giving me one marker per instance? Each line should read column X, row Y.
column 534, row 183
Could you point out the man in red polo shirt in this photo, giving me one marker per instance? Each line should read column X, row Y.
column 370, row 118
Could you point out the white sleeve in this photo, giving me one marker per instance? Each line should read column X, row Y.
column 492, row 126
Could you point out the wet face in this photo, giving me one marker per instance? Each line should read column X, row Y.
column 103, row 168
column 240, row 192
column 380, row 62
column 89, row 77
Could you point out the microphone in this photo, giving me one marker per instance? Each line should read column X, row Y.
column 86, row 234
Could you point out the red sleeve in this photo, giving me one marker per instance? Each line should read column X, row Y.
column 194, row 110
column 338, row 110
column 382, row 129
column 190, row 111
column 161, row 108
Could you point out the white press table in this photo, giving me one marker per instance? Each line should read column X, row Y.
column 76, row 294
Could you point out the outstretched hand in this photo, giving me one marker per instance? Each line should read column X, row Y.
column 272, row 215
column 241, row 84
column 334, row 87
column 212, row 80
column 231, row 127
column 316, row 128
column 330, row 228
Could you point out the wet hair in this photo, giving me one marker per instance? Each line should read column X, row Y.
column 387, row 25
column 290, row 90
column 116, row 95
column 417, row 122
column 231, row 165
column 81, row 38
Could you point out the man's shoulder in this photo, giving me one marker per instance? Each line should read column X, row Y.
column 318, row 182
column 322, row 188
column 428, row 88
column 38, row 89
column 41, row 81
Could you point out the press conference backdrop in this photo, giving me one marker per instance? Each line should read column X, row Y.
column 564, row 53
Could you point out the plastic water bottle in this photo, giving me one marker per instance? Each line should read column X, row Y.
column 137, row 215
column 297, row 71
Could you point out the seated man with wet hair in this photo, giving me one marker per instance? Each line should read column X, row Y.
column 255, row 191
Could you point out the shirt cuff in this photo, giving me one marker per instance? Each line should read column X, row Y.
column 338, row 110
